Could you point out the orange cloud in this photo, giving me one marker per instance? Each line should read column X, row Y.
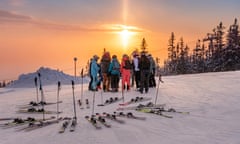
column 15, row 18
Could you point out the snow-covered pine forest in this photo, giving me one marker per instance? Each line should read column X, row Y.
column 218, row 51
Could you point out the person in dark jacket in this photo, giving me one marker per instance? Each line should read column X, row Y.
column 144, row 66
column 105, row 62
column 152, row 81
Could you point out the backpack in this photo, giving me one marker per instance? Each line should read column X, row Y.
column 116, row 65
column 128, row 64
column 145, row 63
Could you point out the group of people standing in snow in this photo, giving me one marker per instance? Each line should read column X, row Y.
column 141, row 69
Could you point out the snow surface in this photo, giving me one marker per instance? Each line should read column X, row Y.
column 212, row 100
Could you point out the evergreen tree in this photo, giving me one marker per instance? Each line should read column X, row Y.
column 182, row 54
column 144, row 46
column 231, row 54
column 198, row 57
column 171, row 54
column 218, row 49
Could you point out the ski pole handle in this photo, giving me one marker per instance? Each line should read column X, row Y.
column 59, row 85
column 35, row 80
column 82, row 73
column 72, row 84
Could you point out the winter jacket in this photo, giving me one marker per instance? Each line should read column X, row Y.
column 114, row 67
column 94, row 68
column 105, row 62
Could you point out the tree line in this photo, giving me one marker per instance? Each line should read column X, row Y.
column 218, row 51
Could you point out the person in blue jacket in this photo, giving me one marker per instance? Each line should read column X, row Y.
column 94, row 72
column 114, row 72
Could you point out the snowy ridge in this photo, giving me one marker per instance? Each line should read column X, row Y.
column 48, row 77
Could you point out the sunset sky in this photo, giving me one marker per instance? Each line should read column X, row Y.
column 50, row 33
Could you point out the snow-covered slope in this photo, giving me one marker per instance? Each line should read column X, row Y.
column 48, row 77
column 212, row 100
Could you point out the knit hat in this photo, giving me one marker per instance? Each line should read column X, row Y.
column 96, row 57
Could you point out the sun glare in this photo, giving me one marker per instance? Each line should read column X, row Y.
column 125, row 35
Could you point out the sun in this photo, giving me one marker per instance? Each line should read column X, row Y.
column 125, row 35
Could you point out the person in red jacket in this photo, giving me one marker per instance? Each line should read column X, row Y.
column 126, row 67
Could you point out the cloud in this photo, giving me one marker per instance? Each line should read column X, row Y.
column 120, row 27
column 15, row 18
column 6, row 16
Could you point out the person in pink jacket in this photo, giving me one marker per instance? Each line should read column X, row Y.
column 126, row 67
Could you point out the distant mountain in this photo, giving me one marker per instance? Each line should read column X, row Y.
column 48, row 77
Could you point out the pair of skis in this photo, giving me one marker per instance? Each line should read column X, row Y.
column 19, row 122
column 148, row 105
column 40, row 124
column 135, row 100
column 37, row 111
column 153, row 111
column 98, row 120
column 129, row 115
column 35, row 104
column 113, row 117
column 160, row 111
column 111, row 100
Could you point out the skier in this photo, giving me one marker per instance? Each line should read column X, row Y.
column 105, row 62
column 136, row 70
column 91, row 79
column 94, row 71
column 144, row 66
column 126, row 67
column 114, row 72
column 152, row 82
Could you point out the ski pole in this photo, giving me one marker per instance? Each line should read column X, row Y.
column 102, row 97
column 93, row 102
column 59, row 87
column 36, row 85
column 82, row 86
column 159, row 80
column 74, row 106
column 123, row 92
column 42, row 95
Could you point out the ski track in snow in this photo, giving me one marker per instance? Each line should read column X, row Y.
column 212, row 100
